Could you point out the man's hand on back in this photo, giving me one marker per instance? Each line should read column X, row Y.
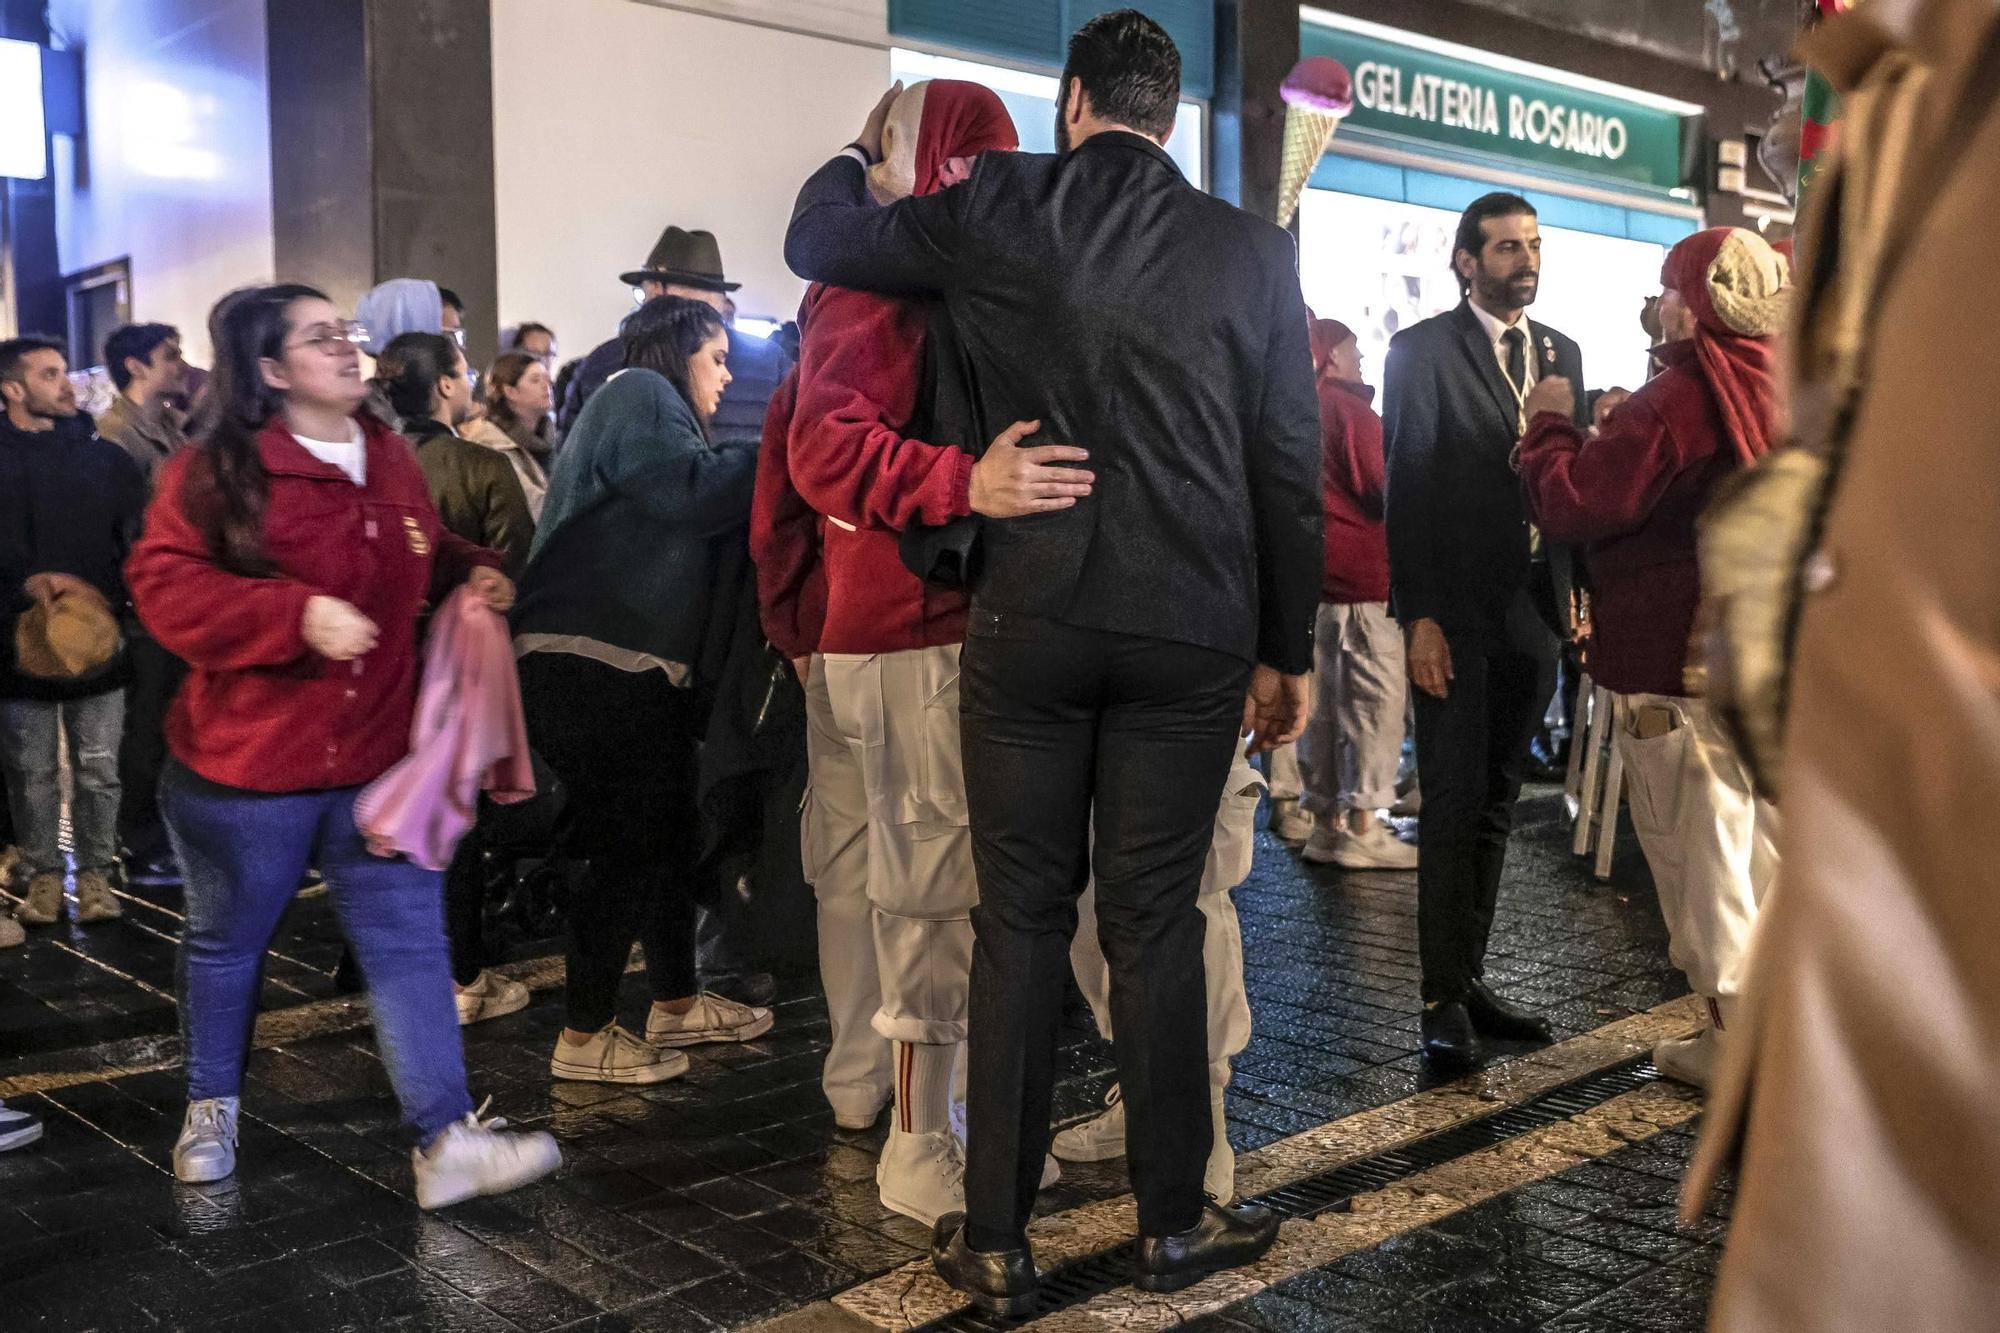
column 1430, row 658
column 1276, row 711
column 1009, row 481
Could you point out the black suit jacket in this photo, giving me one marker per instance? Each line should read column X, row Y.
column 1458, row 522
column 1138, row 318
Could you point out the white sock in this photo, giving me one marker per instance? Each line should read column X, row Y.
column 923, row 1087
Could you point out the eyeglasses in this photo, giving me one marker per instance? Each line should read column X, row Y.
column 329, row 339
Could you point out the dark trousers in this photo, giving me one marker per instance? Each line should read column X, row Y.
column 1059, row 724
column 465, row 907
column 142, row 752
column 1472, row 749
column 623, row 744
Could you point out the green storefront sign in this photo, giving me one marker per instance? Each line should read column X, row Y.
column 1416, row 94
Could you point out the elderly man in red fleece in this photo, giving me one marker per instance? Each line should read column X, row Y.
column 886, row 841
column 1632, row 495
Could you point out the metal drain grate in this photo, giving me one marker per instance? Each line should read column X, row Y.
column 1329, row 1192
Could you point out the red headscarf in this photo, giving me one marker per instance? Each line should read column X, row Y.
column 1738, row 289
column 1326, row 334
column 960, row 120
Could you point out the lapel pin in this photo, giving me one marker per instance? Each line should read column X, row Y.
column 1548, row 349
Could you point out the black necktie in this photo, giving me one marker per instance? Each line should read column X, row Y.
column 1517, row 357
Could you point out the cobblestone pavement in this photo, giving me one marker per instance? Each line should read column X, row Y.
column 729, row 1198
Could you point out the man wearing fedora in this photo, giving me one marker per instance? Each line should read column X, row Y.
column 70, row 506
column 689, row 264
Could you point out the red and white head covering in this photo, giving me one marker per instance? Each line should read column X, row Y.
column 931, row 123
column 1739, row 290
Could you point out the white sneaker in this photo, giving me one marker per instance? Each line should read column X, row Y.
column 18, row 1129
column 713, row 1018
column 206, row 1149
column 615, row 1056
column 1051, row 1171
column 1324, row 845
column 490, row 996
column 1099, row 1139
column 473, row 1157
column 856, row 1118
column 11, row 934
column 1218, row 1179
column 921, row 1176
column 1289, row 822
column 1377, row 849
column 1690, row 1060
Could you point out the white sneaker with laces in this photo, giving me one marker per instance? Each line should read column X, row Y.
column 94, row 899
column 206, row 1149
column 615, row 1056
column 1377, row 849
column 490, row 996
column 1690, row 1060
column 18, row 1129
column 1099, row 1139
column 922, row 1176
column 1289, row 822
column 473, row 1157
column 713, row 1018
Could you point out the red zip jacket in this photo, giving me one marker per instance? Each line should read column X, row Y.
column 260, row 710
column 861, row 362
column 1357, row 543
column 1633, row 495
column 785, row 538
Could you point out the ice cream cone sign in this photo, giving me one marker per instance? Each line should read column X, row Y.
column 1317, row 95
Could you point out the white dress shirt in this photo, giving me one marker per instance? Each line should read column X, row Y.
column 1530, row 359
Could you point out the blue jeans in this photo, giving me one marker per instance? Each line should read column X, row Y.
column 29, row 751
column 242, row 854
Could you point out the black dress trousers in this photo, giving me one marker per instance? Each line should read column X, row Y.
column 1472, row 750
column 1059, row 723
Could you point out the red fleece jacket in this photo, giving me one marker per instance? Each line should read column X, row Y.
column 861, row 364
column 261, row 710
column 1351, row 489
column 1631, row 497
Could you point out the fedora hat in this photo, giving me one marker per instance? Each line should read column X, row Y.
column 689, row 258
column 72, row 636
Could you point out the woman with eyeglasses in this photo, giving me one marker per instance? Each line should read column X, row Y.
column 423, row 375
column 517, row 425
column 609, row 633
column 286, row 556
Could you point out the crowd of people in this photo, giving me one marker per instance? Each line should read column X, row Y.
column 1064, row 508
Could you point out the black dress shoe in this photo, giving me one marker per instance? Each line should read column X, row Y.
column 1494, row 1017
column 1448, row 1037
column 1225, row 1237
column 1000, row 1282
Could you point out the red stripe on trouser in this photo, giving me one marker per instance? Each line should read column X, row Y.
column 906, row 1060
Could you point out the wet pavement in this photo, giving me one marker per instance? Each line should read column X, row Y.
column 729, row 1198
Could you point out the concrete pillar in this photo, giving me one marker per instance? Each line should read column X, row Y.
column 382, row 149
column 1256, row 45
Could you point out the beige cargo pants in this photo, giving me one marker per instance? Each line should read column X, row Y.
column 889, row 856
column 1228, row 865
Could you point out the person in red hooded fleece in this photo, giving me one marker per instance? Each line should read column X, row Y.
column 885, row 833
column 286, row 558
column 1631, row 496
column 1351, row 747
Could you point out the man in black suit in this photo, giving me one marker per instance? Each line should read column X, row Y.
column 1113, row 638
column 1479, row 599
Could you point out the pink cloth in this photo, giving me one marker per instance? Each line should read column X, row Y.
column 468, row 736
